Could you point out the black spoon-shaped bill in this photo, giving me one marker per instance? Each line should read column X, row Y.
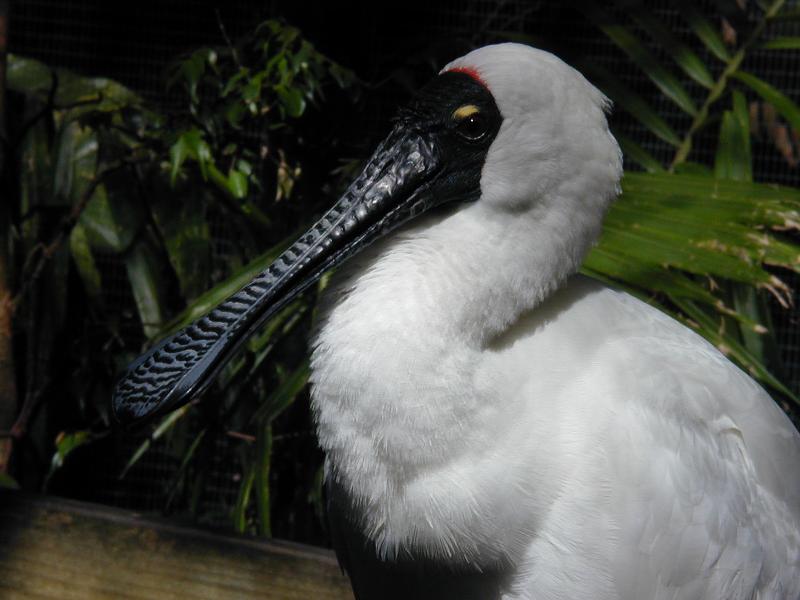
column 391, row 189
column 433, row 155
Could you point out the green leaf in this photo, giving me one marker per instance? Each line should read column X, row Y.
column 166, row 424
column 680, row 52
column 85, row 263
column 631, row 102
column 237, row 184
column 243, row 499
column 182, row 221
column 733, row 160
column 177, row 155
column 262, row 469
column 191, row 144
column 689, row 236
column 709, row 329
column 284, row 395
column 235, row 81
column 192, row 70
column 704, row 30
column 292, row 100
column 628, row 43
column 8, row 482
column 637, row 154
column 29, row 76
column 74, row 94
column 791, row 14
column 701, row 225
column 148, row 286
column 692, row 168
column 114, row 215
column 764, row 347
column 36, row 170
column 787, row 109
column 222, row 290
column 76, row 163
column 65, row 444
column 188, row 454
column 782, row 43
column 234, row 112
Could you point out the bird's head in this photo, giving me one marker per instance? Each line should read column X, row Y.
column 506, row 126
column 552, row 133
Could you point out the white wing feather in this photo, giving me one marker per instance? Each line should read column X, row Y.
column 697, row 467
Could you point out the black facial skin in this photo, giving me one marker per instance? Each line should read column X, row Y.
column 462, row 143
column 432, row 156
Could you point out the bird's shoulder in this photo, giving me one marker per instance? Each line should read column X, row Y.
column 697, row 462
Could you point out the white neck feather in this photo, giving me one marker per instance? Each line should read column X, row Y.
column 401, row 391
column 398, row 346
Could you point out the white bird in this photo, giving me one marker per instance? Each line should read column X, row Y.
column 496, row 426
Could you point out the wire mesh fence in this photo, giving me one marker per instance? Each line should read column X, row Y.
column 134, row 43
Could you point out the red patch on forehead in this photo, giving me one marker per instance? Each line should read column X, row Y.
column 471, row 71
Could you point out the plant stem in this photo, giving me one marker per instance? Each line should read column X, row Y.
column 721, row 84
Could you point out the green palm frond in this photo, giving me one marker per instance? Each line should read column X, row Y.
column 675, row 239
column 705, row 244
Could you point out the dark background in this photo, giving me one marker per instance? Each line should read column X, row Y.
column 393, row 47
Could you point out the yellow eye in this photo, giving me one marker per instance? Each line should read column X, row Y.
column 462, row 112
column 471, row 124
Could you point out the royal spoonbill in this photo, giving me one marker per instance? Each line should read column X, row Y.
column 495, row 425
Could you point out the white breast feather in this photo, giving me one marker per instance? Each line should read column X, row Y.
column 582, row 439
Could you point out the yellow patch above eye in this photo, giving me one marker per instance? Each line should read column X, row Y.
column 462, row 112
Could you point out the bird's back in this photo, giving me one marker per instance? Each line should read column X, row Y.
column 596, row 449
column 688, row 483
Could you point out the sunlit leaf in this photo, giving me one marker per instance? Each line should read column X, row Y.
column 672, row 234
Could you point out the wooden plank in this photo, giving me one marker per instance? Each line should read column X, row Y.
column 52, row 548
